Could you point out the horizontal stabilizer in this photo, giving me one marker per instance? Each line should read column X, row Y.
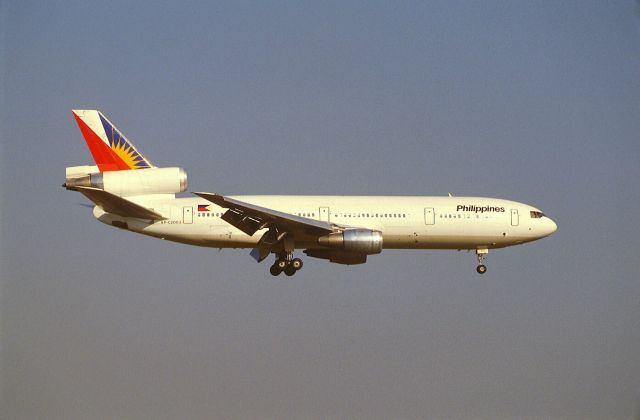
column 117, row 205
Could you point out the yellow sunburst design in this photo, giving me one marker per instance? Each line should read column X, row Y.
column 127, row 154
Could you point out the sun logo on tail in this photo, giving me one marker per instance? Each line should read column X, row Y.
column 122, row 148
column 129, row 156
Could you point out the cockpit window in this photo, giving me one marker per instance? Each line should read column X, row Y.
column 536, row 214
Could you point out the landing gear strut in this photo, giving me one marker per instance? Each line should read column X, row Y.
column 285, row 262
column 481, row 254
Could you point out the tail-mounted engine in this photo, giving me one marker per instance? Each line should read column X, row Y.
column 129, row 182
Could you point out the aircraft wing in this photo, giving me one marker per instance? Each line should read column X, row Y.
column 112, row 203
column 250, row 218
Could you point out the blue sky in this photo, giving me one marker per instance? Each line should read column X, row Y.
column 537, row 102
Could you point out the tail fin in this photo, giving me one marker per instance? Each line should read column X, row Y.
column 109, row 148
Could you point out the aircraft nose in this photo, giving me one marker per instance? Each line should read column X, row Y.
column 551, row 226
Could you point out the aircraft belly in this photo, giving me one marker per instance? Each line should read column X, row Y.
column 216, row 236
column 449, row 237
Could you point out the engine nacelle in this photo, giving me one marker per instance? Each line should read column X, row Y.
column 133, row 182
column 360, row 241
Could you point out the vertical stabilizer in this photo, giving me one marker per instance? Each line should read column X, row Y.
column 110, row 149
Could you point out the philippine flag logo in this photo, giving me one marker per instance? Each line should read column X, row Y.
column 203, row 207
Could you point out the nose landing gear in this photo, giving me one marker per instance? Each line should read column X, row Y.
column 285, row 263
column 481, row 254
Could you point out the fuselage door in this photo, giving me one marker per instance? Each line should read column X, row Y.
column 187, row 215
column 515, row 219
column 324, row 214
column 429, row 216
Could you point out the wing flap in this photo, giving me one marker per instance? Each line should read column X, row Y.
column 111, row 203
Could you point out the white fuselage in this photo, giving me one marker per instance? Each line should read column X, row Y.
column 405, row 222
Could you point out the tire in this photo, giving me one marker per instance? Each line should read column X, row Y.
column 481, row 269
column 281, row 264
column 297, row 264
column 275, row 270
column 290, row 271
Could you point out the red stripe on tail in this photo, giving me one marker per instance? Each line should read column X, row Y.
column 106, row 159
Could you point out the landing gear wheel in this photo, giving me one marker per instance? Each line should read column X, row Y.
column 481, row 254
column 275, row 270
column 296, row 263
column 281, row 264
column 285, row 263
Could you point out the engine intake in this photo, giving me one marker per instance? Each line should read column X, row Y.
column 361, row 241
column 133, row 182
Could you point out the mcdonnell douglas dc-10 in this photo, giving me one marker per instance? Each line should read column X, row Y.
column 130, row 193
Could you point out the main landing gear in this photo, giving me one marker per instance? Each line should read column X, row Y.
column 286, row 263
column 481, row 254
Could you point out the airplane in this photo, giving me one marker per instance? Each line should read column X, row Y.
column 131, row 193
